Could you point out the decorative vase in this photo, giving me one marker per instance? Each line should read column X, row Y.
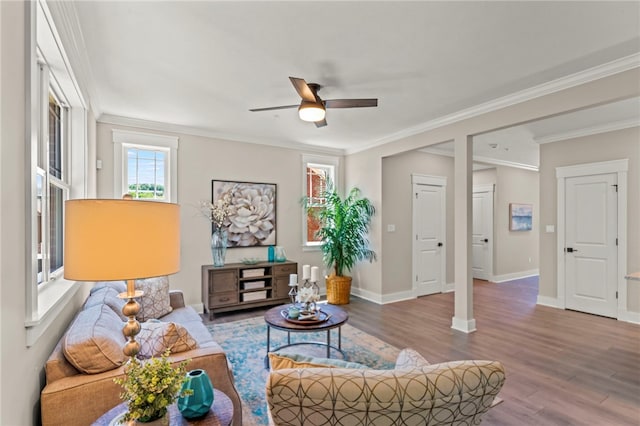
column 198, row 403
column 219, row 245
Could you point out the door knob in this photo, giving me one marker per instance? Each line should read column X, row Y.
column 486, row 240
column 439, row 244
column 570, row 250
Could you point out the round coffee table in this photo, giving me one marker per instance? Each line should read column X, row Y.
column 220, row 414
column 275, row 319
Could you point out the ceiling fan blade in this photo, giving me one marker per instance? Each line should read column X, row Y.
column 321, row 123
column 272, row 108
column 303, row 89
column 350, row 103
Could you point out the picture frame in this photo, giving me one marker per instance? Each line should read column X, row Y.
column 252, row 218
column 520, row 217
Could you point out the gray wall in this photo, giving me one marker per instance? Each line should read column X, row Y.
column 603, row 147
column 202, row 159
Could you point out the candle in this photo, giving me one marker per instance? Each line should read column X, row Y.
column 306, row 270
column 315, row 271
column 293, row 278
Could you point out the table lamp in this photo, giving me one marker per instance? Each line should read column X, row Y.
column 114, row 240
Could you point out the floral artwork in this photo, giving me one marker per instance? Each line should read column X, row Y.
column 250, row 212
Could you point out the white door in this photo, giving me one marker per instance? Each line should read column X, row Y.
column 590, row 238
column 429, row 230
column 482, row 235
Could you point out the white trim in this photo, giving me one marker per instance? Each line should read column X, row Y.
column 195, row 131
column 448, row 287
column 620, row 167
column 52, row 299
column 589, row 131
column 123, row 138
column 480, row 159
column 551, row 302
column 514, row 276
column 441, row 182
column 629, row 316
column 466, row 326
column 367, row 295
column 582, row 77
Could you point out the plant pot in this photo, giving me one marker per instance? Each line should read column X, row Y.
column 338, row 289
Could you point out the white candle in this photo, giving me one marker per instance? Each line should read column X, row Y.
column 306, row 271
column 315, row 272
column 293, row 278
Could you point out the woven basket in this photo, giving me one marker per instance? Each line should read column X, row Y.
column 338, row 290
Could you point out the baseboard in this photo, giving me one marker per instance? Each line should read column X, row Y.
column 367, row 295
column 448, row 287
column 629, row 316
column 552, row 302
column 199, row 307
column 514, row 276
column 466, row 326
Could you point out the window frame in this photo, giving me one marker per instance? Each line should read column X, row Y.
column 48, row 70
column 328, row 162
column 124, row 139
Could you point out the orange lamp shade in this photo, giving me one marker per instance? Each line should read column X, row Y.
column 109, row 240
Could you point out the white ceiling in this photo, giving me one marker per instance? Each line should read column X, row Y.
column 202, row 65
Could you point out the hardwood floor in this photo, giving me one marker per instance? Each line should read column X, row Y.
column 563, row 367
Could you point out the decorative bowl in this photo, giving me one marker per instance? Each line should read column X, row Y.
column 250, row 260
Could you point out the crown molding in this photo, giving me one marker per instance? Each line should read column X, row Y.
column 592, row 74
column 196, row 131
column 67, row 25
column 484, row 160
column 589, row 131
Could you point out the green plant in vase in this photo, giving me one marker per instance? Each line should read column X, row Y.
column 344, row 225
column 150, row 386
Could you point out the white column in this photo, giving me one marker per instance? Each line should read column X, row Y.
column 463, row 221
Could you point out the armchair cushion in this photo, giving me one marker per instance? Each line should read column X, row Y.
column 452, row 393
column 278, row 361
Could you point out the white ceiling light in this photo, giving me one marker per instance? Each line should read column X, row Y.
column 311, row 111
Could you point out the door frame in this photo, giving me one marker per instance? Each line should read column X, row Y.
column 490, row 188
column 619, row 167
column 418, row 179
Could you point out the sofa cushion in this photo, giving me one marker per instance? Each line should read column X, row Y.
column 106, row 296
column 156, row 337
column 118, row 286
column 155, row 302
column 278, row 361
column 94, row 341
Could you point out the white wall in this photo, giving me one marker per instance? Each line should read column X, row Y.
column 202, row 159
column 603, row 147
column 21, row 368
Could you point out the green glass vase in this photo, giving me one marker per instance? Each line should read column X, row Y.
column 199, row 402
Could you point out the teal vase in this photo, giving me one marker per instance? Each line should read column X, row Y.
column 198, row 403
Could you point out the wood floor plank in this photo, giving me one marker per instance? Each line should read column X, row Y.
column 563, row 367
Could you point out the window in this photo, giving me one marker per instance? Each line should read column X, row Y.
column 57, row 142
column 52, row 177
column 145, row 166
column 318, row 171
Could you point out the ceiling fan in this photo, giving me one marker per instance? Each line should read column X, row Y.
column 313, row 108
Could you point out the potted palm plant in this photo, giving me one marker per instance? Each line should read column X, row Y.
column 344, row 224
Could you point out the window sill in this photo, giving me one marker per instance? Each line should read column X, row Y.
column 52, row 299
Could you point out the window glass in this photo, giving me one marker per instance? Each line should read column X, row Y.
column 317, row 177
column 56, row 227
column 55, row 137
column 146, row 173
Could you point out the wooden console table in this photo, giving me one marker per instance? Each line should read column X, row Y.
column 240, row 286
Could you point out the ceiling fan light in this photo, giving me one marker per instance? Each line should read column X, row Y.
column 311, row 111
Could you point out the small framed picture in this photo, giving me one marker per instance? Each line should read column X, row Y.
column 520, row 217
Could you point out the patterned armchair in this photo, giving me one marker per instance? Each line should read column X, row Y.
column 414, row 393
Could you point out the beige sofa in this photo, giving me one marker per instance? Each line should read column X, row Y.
column 414, row 393
column 77, row 394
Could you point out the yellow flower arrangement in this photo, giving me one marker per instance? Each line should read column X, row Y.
column 150, row 386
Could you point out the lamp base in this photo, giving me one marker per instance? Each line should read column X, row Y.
column 132, row 327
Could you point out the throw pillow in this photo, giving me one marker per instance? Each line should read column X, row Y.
column 278, row 361
column 409, row 358
column 155, row 302
column 94, row 341
column 106, row 296
column 156, row 337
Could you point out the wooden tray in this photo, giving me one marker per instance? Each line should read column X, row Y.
column 322, row 317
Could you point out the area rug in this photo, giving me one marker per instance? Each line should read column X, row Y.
column 245, row 343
